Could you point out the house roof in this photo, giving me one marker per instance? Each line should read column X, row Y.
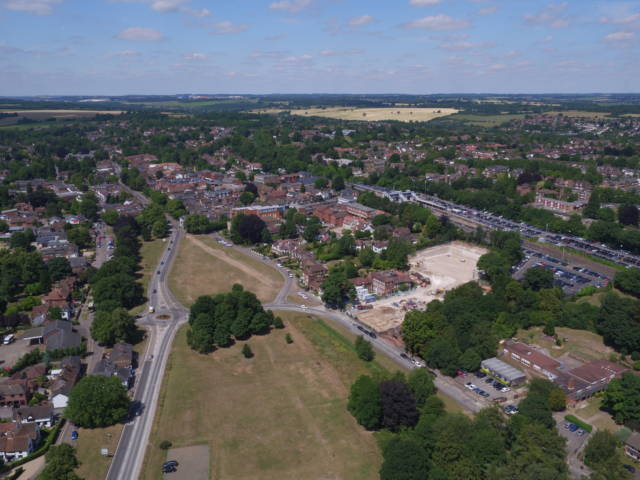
column 36, row 413
column 532, row 355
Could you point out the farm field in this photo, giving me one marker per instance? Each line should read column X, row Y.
column 203, row 267
column 279, row 415
column 401, row 114
column 40, row 115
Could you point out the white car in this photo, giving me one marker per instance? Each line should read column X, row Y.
column 505, row 389
column 470, row 386
column 303, row 306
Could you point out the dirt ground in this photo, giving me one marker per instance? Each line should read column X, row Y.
column 202, row 269
column 446, row 266
column 193, row 463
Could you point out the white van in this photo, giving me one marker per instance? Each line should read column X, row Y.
column 8, row 339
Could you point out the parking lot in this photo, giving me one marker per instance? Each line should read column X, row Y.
column 480, row 387
column 9, row 354
column 571, row 278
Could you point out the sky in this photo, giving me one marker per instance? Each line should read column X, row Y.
column 119, row 47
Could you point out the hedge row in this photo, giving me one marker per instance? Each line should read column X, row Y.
column 585, row 426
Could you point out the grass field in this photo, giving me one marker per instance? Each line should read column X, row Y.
column 401, row 114
column 63, row 114
column 580, row 114
column 94, row 466
column 279, row 415
column 203, row 267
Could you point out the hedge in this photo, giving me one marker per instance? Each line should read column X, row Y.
column 585, row 426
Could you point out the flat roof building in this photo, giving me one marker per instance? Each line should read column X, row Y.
column 504, row 371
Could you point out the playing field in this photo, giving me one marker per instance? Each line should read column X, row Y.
column 446, row 266
column 203, row 267
column 279, row 415
column 402, row 114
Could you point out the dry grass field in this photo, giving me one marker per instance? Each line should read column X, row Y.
column 401, row 114
column 279, row 415
column 203, row 267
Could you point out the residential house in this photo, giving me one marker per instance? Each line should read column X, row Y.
column 62, row 381
column 13, row 394
column 388, row 281
column 42, row 415
column 122, row 355
column 106, row 368
column 17, row 440
column 313, row 274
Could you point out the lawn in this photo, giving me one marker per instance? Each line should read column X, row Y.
column 279, row 415
column 93, row 465
column 203, row 267
column 582, row 344
column 150, row 253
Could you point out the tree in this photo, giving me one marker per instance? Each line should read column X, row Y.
column 247, row 228
column 61, row 461
column 110, row 217
column 246, row 198
column 603, row 457
column 59, row 268
column 622, row 399
column 421, row 384
column 364, row 402
column 628, row 280
column 97, row 401
column 364, row 349
column 404, row 459
column 557, row 400
column 628, row 215
column 398, row 405
column 366, row 256
column 112, row 327
column 537, row 278
column 121, row 288
column 246, row 351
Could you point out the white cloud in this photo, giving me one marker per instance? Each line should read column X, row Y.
column 439, row 22
column 140, row 34
column 228, row 27
column 620, row 39
column 465, row 45
column 549, row 16
column 123, row 53
column 361, row 20
column 37, row 7
column 626, row 20
column 196, row 12
column 195, row 56
column 164, row 6
column 488, row 10
column 297, row 59
column 333, row 53
column 292, row 6
column 423, row 3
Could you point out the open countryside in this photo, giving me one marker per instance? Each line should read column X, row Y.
column 401, row 114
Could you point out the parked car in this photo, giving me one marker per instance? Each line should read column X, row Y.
column 489, row 380
column 630, row 468
column 505, row 389
column 481, row 374
column 74, row 435
column 580, row 432
column 470, row 386
column 573, row 427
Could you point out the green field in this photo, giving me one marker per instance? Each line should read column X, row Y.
column 485, row 120
column 279, row 415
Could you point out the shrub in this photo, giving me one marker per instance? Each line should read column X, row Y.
column 277, row 322
column 165, row 444
column 246, row 351
column 288, row 338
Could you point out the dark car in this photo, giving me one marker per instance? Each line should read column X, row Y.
column 631, row 468
column 489, row 380
column 170, row 463
column 74, row 435
column 481, row 374
column 168, row 469
column 158, row 272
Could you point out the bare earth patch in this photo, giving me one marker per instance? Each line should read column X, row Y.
column 447, row 266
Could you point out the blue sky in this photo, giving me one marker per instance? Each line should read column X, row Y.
column 113, row 47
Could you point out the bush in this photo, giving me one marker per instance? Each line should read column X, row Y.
column 165, row 444
column 288, row 338
column 585, row 426
column 246, row 351
column 364, row 349
column 277, row 322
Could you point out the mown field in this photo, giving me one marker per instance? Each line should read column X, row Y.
column 401, row 114
column 280, row 415
column 203, row 267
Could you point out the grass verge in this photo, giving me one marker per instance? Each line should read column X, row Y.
column 94, row 465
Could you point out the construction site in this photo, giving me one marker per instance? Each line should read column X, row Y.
column 435, row 271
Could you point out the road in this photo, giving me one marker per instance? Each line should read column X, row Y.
column 162, row 325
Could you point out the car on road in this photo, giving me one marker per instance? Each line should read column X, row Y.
column 74, row 435
column 158, row 272
column 303, row 306
column 405, row 356
column 154, row 290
